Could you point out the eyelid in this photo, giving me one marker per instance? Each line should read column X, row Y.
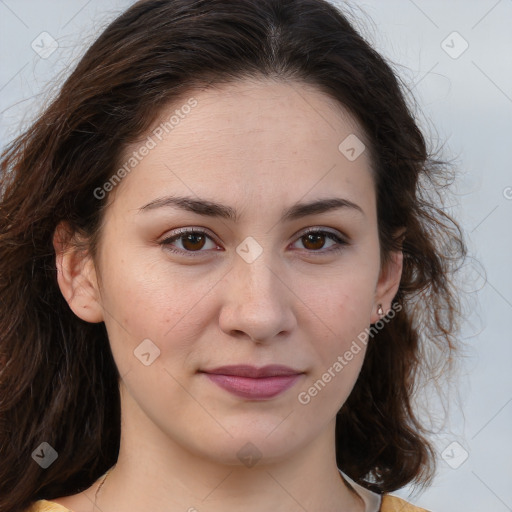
column 320, row 229
column 177, row 233
column 189, row 229
column 341, row 240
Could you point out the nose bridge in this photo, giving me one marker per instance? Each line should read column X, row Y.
column 256, row 277
column 256, row 302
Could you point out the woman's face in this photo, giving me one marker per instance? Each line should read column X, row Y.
column 243, row 168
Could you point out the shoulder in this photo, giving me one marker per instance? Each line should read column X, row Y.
column 395, row 504
column 46, row 506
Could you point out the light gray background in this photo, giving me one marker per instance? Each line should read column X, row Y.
column 465, row 101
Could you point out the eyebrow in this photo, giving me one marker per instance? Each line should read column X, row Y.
column 213, row 209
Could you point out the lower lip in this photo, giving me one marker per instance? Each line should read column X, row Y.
column 254, row 389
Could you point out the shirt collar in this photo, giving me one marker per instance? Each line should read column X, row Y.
column 372, row 500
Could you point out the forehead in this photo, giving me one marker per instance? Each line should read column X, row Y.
column 268, row 111
column 251, row 135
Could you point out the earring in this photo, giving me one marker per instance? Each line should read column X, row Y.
column 380, row 311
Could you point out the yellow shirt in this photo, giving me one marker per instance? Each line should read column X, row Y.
column 389, row 504
column 373, row 502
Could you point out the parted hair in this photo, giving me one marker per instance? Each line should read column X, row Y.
column 58, row 379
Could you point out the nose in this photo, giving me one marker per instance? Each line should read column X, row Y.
column 257, row 302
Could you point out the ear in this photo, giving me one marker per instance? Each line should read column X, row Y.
column 76, row 275
column 388, row 283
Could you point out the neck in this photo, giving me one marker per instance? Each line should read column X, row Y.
column 154, row 472
column 157, row 472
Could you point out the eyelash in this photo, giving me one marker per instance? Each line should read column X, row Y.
column 341, row 244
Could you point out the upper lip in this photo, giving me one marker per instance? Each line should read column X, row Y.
column 245, row 370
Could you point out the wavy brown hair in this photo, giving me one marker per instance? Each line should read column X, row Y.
column 58, row 380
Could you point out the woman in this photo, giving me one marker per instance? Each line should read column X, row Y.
column 218, row 251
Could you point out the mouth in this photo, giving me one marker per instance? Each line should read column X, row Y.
column 254, row 383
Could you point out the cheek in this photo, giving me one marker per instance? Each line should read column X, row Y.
column 338, row 355
column 168, row 308
column 341, row 306
column 338, row 337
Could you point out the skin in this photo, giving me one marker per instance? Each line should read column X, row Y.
column 259, row 147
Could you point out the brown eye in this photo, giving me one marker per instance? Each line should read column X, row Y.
column 189, row 241
column 321, row 241
column 193, row 241
column 313, row 241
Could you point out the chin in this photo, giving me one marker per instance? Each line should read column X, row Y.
column 250, row 446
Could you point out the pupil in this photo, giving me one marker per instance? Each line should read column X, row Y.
column 316, row 239
column 192, row 240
